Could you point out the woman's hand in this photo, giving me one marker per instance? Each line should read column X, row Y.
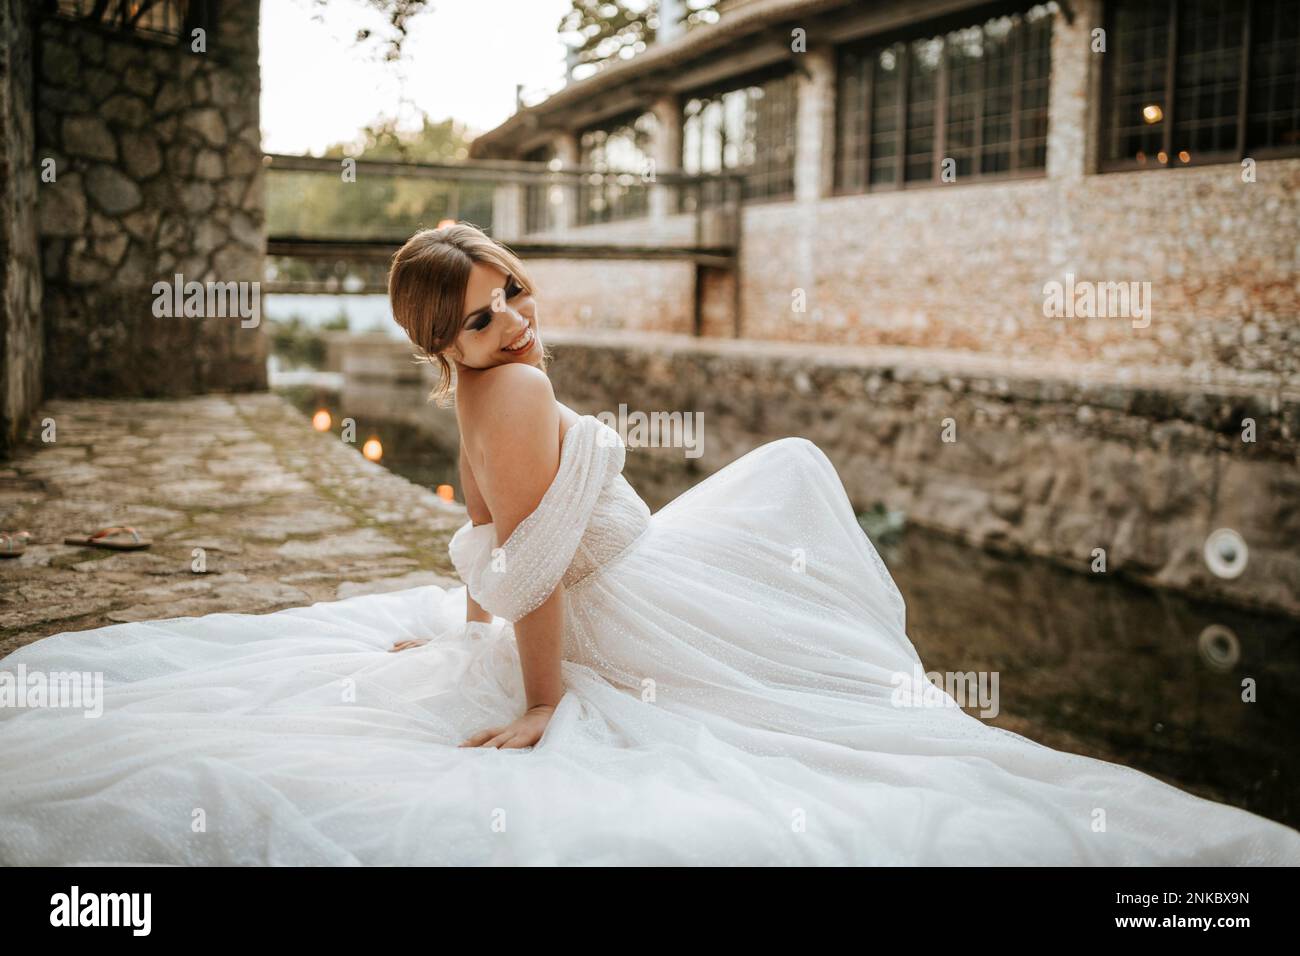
column 403, row 645
column 524, row 732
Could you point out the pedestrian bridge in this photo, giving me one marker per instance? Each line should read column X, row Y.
column 335, row 222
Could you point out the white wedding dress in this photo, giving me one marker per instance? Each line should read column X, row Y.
column 732, row 669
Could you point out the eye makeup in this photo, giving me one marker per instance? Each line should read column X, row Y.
column 482, row 318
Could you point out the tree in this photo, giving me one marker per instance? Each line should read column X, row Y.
column 158, row 16
column 399, row 13
column 320, row 205
column 610, row 30
column 445, row 141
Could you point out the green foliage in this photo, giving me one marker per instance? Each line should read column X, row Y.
column 318, row 205
column 299, row 344
column 882, row 525
column 609, row 27
column 398, row 13
column 337, row 324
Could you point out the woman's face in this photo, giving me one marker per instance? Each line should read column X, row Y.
column 498, row 314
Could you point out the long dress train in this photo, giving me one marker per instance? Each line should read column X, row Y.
column 740, row 689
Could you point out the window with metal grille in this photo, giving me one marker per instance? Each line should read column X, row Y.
column 1200, row 81
column 746, row 129
column 159, row 19
column 621, row 154
column 976, row 96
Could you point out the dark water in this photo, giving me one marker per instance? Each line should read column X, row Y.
column 1087, row 663
column 1102, row 667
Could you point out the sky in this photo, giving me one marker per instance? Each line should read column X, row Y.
column 462, row 59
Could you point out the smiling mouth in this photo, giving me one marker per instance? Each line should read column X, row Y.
column 523, row 343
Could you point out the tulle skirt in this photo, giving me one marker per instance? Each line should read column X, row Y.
column 740, row 689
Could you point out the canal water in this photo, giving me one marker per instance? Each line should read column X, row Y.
column 1087, row 663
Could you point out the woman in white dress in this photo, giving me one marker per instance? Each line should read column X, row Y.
column 728, row 681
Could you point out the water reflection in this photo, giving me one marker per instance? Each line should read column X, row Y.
column 1098, row 666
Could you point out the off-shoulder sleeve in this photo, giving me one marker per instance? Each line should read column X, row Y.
column 511, row 579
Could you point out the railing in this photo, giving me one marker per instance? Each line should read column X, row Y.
column 334, row 223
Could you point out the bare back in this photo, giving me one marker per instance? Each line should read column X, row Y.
column 470, row 409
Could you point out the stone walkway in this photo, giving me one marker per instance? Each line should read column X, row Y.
column 249, row 510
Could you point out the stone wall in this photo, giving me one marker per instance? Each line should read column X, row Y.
column 159, row 171
column 963, row 266
column 22, row 336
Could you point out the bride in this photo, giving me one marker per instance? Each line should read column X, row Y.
column 728, row 681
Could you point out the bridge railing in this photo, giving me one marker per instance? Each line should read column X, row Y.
column 333, row 223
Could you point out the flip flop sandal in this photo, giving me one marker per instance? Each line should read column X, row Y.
column 103, row 538
column 13, row 543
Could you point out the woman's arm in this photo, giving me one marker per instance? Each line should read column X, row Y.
column 478, row 514
column 519, row 437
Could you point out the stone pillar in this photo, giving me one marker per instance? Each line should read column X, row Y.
column 814, row 167
column 1071, row 149
column 507, row 211
column 565, row 212
column 814, row 161
column 667, row 153
column 22, row 330
column 1070, row 99
column 158, row 151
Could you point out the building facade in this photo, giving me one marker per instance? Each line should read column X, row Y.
column 1094, row 181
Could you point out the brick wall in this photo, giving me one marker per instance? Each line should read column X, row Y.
column 614, row 294
column 963, row 266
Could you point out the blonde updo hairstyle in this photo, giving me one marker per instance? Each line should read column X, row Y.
column 426, row 289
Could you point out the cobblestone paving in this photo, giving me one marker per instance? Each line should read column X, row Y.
column 249, row 510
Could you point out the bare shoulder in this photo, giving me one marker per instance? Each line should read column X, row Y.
column 511, row 424
column 502, row 385
column 504, row 402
